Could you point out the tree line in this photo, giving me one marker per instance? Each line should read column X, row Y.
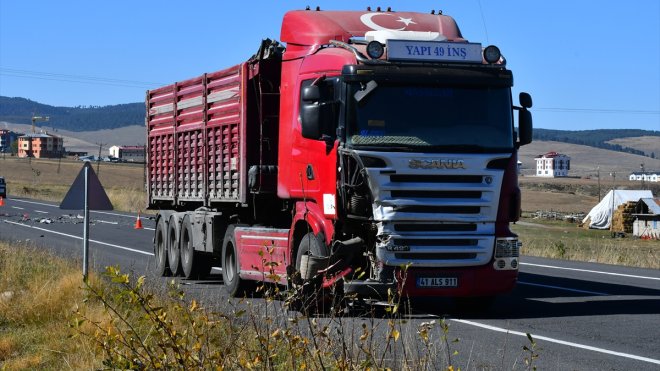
column 81, row 118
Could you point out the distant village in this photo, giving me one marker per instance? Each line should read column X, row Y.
column 628, row 211
column 45, row 145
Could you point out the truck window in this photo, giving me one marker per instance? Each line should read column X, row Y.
column 329, row 98
column 431, row 118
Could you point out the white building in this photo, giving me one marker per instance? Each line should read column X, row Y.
column 552, row 164
column 647, row 176
column 128, row 153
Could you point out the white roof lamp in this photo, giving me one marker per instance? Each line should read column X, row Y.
column 383, row 35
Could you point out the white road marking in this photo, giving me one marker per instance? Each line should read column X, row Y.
column 592, row 271
column 16, row 207
column 91, row 211
column 563, row 288
column 113, row 214
column 558, row 341
column 107, row 222
column 41, row 212
column 80, row 238
column 35, row 203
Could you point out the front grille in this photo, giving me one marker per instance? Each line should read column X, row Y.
column 435, row 217
column 436, row 194
column 435, row 242
column 413, row 178
column 435, row 256
column 439, row 209
column 415, row 227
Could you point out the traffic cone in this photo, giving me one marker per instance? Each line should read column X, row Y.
column 2, row 201
column 138, row 222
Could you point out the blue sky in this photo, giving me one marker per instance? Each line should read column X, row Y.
column 588, row 64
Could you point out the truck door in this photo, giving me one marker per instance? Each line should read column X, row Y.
column 314, row 157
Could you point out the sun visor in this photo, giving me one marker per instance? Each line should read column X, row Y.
column 309, row 27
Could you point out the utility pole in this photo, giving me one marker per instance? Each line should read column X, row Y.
column 613, row 175
column 641, row 166
column 38, row 118
column 34, row 120
column 598, row 176
column 98, row 159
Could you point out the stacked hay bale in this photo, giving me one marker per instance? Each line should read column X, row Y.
column 622, row 220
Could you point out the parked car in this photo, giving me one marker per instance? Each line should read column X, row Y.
column 3, row 188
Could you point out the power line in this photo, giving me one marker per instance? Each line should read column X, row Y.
column 598, row 110
column 76, row 78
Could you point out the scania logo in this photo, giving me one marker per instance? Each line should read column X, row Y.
column 436, row 164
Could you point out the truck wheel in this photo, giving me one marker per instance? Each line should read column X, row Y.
column 311, row 296
column 189, row 258
column 234, row 284
column 173, row 256
column 160, row 249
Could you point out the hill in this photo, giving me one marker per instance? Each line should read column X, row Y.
column 86, row 141
column 586, row 161
column 20, row 111
column 601, row 138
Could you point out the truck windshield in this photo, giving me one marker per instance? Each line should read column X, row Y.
column 429, row 118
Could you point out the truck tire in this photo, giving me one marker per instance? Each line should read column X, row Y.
column 311, row 297
column 234, row 284
column 173, row 255
column 160, row 248
column 193, row 264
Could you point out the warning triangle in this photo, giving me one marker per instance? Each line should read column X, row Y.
column 75, row 198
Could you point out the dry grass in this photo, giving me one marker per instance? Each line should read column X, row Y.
column 51, row 179
column 34, row 311
column 122, row 325
column 562, row 240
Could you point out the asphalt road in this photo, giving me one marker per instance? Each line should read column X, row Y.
column 583, row 316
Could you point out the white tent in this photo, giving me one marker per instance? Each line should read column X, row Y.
column 601, row 214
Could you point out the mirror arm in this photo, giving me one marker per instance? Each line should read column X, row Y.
column 319, row 80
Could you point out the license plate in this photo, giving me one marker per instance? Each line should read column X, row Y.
column 437, row 282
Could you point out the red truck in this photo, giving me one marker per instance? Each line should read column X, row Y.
column 376, row 151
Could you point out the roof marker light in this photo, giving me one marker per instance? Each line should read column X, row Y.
column 375, row 49
column 492, row 54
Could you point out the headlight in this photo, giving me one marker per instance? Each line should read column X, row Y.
column 492, row 54
column 375, row 50
column 507, row 248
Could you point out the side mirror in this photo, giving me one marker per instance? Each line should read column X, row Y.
column 525, row 100
column 524, row 127
column 311, row 93
column 310, row 117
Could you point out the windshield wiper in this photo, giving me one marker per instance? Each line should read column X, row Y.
column 384, row 147
column 466, row 148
